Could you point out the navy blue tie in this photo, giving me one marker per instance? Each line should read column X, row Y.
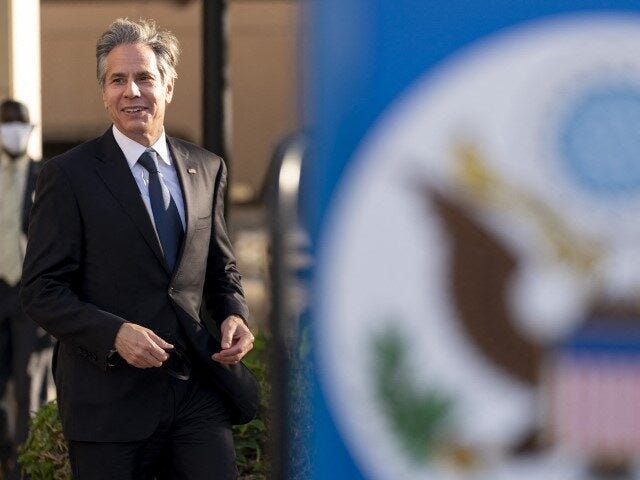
column 165, row 212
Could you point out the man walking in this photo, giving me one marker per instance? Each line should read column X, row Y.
column 127, row 243
column 20, row 339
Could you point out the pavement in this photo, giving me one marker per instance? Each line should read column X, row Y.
column 249, row 234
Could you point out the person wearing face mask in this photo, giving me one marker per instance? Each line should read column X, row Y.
column 20, row 337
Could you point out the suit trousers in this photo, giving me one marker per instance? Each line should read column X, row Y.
column 193, row 441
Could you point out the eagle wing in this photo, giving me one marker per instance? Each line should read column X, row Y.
column 480, row 271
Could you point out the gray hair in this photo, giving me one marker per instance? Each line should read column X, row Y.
column 128, row 32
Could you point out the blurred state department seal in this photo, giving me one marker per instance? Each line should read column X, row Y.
column 479, row 272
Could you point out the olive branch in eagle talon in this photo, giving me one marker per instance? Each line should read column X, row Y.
column 487, row 187
column 417, row 416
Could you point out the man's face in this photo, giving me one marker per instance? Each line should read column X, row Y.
column 15, row 129
column 134, row 94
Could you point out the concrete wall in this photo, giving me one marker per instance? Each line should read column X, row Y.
column 263, row 75
column 4, row 49
column 19, row 65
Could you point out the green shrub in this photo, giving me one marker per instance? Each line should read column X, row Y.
column 251, row 438
column 44, row 455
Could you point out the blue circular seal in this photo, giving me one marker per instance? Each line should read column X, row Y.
column 600, row 140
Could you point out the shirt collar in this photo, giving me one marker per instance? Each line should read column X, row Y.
column 132, row 149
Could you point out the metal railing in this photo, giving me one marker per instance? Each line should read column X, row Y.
column 290, row 262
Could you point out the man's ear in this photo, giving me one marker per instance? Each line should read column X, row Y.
column 169, row 95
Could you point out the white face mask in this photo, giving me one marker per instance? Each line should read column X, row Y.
column 14, row 137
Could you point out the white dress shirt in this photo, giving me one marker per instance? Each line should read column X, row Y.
column 167, row 172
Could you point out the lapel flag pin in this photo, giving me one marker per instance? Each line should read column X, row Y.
column 192, row 171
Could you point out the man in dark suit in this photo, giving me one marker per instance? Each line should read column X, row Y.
column 20, row 339
column 127, row 242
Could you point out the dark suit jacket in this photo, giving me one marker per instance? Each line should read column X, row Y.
column 93, row 261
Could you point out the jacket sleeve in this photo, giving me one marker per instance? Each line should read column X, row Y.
column 223, row 294
column 52, row 270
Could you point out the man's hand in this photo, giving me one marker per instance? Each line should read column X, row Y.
column 236, row 342
column 140, row 347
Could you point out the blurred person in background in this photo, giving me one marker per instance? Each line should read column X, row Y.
column 127, row 241
column 25, row 349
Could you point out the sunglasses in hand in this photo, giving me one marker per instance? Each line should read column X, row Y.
column 178, row 365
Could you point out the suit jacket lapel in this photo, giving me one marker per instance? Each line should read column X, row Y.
column 184, row 165
column 116, row 174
